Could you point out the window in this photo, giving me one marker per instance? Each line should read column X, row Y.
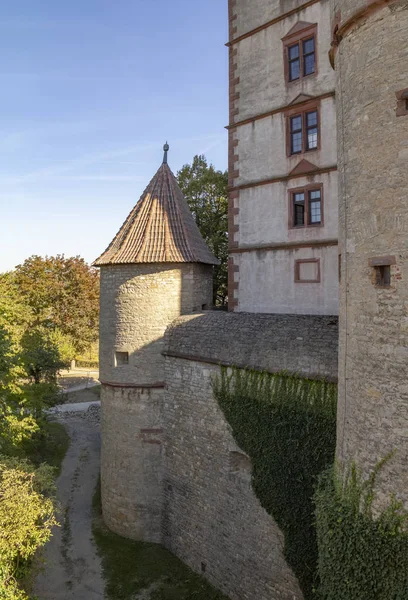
column 294, row 62
column 306, row 206
column 300, row 51
column 383, row 276
column 307, row 270
column 121, row 358
column 296, row 134
column 382, row 270
column 304, row 132
column 402, row 103
column 309, row 58
column 302, row 59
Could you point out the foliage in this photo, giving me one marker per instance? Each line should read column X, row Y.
column 205, row 190
column 361, row 557
column 41, row 356
column 63, row 294
column 287, row 426
column 130, row 568
column 26, row 519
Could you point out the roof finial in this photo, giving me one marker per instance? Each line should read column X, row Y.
column 166, row 148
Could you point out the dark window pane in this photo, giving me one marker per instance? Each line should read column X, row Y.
column 296, row 124
column 312, row 139
column 309, row 46
column 299, row 210
column 294, row 70
column 311, row 118
column 297, row 143
column 309, row 64
column 294, row 52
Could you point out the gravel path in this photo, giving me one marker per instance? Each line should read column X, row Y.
column 72, row 567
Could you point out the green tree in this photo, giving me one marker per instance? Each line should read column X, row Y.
column 62, row 294
column 205, row 190
column 26, row 517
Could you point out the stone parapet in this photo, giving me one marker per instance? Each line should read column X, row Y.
column 301, row 344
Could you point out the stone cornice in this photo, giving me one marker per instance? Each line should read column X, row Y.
column 281, row 109
column 281, row 17
column 319, row 171
column 285, row 246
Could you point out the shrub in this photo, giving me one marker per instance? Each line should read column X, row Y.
column 26, row 519
column 361, row 556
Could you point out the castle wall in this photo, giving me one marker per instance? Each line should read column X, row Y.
column 281, row 293
column 212, row 519
column 265, row 171
column 306, row 345
column 371, row 67
column 137, row 304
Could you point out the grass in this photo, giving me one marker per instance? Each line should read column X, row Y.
column 49, row 446
column 130, row 568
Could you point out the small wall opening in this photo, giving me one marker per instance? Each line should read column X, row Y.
column 382, row 270
column 383, row 276
column 121, row 358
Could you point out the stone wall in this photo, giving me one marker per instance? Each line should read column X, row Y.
column 137, row 304
column 267, row 248
column 371, row 68
column 132, row 462
column 212, row 519
column 295, row 343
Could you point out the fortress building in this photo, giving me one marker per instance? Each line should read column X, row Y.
column 282, row 159
column 318, row 128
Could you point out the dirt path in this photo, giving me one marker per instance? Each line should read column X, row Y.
column 72, row 569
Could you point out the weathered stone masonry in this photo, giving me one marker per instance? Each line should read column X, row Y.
column 211, row 516
column 369, row 53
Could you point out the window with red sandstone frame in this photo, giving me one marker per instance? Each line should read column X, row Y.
column 306, row 206
column 303, row 132
column 300, row 52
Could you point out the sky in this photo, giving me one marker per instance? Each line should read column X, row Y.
column 91, row 90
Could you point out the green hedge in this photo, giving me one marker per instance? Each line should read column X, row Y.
column 287, row 425
column 87, row 364
column 361, row 557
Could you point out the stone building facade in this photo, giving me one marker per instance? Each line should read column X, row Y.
column 282, row 158
column 369, row 53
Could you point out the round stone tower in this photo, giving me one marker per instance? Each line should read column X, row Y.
column 157, row 268
column 369, row 54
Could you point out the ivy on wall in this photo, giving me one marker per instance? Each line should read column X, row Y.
column 361, row 556
column 287, row 425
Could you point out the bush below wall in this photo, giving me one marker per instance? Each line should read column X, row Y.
column 287, row 426
column 360, row 557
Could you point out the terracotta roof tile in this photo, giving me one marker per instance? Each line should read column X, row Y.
column 160, row 228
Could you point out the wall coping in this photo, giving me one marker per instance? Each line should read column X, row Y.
column 303, row 344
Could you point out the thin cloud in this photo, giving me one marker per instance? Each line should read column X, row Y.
column 87, row 160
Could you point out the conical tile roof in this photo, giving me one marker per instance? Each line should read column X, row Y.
column 160, row 228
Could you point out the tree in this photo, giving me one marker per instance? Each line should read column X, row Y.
column 27, row 515
column 205, row 190
column 62, row 294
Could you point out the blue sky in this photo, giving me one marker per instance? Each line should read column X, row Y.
column 91, row 89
